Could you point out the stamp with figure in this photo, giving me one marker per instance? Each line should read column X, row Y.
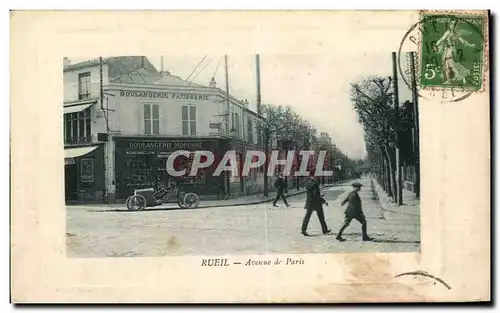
column 452, row 51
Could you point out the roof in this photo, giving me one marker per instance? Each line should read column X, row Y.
column 169, row 79
column 118, row 66
column 137, row 76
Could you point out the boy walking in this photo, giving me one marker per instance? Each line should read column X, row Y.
column 354, row 211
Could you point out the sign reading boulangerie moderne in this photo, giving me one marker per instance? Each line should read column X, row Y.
column 164, row 95
column 164, row 145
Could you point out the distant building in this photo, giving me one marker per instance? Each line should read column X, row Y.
column 121, row 143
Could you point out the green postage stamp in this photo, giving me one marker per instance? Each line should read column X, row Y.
column 453, row 50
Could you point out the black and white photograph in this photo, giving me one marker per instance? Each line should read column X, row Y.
column 250, row 156
column 240, row 154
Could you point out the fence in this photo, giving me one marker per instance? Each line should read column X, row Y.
column 409, row 177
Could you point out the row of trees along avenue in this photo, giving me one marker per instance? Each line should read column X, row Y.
column 388, row 130
column 283, row 126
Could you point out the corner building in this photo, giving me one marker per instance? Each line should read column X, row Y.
column 122, row 143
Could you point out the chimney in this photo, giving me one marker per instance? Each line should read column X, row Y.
column 212, row 83
column 66, row 62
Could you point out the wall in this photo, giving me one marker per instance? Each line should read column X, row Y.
column 70, row 79
column 127, row 116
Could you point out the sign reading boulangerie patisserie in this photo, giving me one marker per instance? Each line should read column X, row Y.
column 164, row 95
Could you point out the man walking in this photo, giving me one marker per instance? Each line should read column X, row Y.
column 354, row 211
column 281, row 189
column 314, row 202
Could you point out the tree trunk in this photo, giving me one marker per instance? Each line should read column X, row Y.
column 388, row 182
column 392, row 174
column 382, row 176
column 297, row 167
column 385, row 178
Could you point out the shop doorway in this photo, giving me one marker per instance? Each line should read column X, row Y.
column 71, row 182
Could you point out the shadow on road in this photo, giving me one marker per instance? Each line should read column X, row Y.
column 393, row 241
column 375, row 240
column 344, row 234
column 138, row 211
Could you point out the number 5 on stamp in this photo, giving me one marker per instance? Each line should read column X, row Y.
column 452, row 51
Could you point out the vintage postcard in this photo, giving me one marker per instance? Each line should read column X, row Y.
column 250, row 157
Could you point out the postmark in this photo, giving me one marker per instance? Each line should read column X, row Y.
column 427, row 275
column 451, row 60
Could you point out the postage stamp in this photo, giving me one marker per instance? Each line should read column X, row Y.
column 452, row 51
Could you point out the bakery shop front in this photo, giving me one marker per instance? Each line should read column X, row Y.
column 141, row 163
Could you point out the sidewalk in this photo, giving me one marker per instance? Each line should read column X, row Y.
column 410, row 206
column 244, row 200
column 390, row 225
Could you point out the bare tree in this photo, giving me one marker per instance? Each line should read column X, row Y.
column 372, row 99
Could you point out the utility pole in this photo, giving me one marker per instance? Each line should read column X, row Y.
column 101, row 92
column 416, row 147
column 399, row 194
column 226, row 116
column 106, row 148
column 226, row 120
column 257, row 68
column 263, row 138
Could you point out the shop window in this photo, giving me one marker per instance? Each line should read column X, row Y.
column 138, row 170
column 84, row 86
column 151, row 119
column 78, row 127
column 189, row 120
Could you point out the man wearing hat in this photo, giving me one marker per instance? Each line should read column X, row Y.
column 281, row 190
column 314, row 202
column 354, row 211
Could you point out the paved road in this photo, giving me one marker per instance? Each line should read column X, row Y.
column 253, row 229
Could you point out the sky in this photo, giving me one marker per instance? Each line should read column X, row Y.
column 315, row 86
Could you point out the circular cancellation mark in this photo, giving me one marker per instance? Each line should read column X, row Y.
column 450, row 59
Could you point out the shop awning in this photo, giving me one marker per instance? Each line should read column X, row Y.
column 70, row 153
column 77, row 108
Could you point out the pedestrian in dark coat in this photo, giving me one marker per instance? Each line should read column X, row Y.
column 314, row 202
column 281, row 190
column 354, row 211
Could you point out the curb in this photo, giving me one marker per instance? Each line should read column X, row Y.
column 383, row 199
column 385, row 203
column 270, row 199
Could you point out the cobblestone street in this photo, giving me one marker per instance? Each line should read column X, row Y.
column 252, row 229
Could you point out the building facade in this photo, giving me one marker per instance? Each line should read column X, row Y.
column 121, row 125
